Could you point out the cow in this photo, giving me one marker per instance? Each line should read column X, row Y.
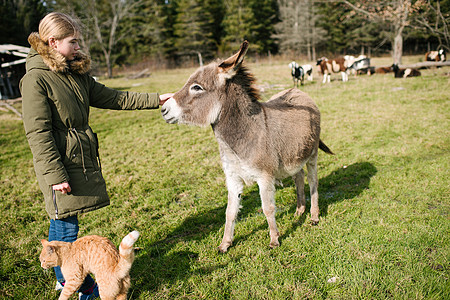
column 308, row 71
column 297, row 72
column 328, row 66
column 403, row 73
column 361, row 66
column 435, row 55
column 383, row 70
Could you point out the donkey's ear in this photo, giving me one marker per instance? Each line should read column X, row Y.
column 233, row 62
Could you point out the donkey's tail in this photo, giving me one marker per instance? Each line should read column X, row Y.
column 325, row 148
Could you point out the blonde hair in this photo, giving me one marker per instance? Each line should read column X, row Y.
column 59, row 26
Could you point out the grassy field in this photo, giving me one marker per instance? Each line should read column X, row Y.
column 384, row 228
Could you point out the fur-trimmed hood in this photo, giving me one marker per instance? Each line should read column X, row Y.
column 45, row 57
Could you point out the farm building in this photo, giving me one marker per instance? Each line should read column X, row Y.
column 12, row 69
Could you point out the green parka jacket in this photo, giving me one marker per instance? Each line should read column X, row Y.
column 56, row 95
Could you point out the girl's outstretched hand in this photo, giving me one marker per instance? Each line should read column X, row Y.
column 164, row 97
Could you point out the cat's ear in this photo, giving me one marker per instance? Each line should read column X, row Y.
column 50, row 249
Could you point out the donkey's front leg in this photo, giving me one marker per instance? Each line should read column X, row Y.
column 267, row 194
column 235, row 187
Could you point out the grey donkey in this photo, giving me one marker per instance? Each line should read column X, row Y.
column 260, row 142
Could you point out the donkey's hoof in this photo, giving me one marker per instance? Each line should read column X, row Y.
column 274, row 244
column 299, row 211
column 223, row 248
column 314, row 222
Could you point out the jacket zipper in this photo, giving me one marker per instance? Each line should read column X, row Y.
column 97, row 152
column 54, row 202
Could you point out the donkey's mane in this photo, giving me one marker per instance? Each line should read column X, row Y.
column 246, row 80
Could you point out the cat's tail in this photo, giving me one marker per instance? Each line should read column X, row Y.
column 126, row 251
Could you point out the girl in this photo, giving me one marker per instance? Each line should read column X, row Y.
column 57, row 92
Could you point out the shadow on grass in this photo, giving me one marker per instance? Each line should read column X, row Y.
column 162, row 265
column 342, row 184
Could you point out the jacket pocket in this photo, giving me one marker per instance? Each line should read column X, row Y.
column 73, row 150
column 94, row 148
column 80, row 151
column 85, row 195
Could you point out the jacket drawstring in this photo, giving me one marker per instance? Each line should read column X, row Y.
column 82, row 152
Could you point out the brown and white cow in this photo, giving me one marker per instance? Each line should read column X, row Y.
column 327, row 66
column 383, row 70
column 260, row 142
column 435, row 55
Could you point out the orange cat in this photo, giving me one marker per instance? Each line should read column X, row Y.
column 92, row 254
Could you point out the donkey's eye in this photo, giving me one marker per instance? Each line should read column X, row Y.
column 196, row 88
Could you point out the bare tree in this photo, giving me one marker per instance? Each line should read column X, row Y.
column 101, row 20
column 297, row 30
column 105, row 23
column 395, row 13
column 434, row 21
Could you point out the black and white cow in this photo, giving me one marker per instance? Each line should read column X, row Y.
column 308, row 71
column 403, row 73
column 297, row 72
column 361, row 66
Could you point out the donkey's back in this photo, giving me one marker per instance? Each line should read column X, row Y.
column 292, row 97
column 294, row 109
column 292, row 127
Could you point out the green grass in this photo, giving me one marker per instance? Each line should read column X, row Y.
column 384, row 199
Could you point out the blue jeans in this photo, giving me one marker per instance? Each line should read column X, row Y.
column 66, row 230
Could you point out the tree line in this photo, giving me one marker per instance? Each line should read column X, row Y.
column 120, row 32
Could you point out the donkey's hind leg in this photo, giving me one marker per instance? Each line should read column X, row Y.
column 299, row 179
column 313, row 187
